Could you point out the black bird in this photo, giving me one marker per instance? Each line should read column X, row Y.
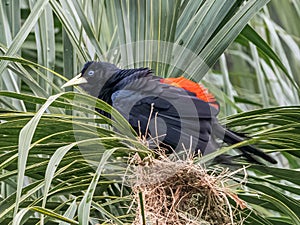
column 176, row 112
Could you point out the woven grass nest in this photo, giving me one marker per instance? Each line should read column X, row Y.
column 181, row 192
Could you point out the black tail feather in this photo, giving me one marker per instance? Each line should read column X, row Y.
column 248, row 151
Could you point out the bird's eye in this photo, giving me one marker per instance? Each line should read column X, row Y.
column 91, row 73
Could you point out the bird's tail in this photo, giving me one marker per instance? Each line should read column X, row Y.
column 248, row 151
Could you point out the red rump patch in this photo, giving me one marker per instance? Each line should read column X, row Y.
column 200, row 91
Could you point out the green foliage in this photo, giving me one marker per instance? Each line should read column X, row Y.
column 45, row 175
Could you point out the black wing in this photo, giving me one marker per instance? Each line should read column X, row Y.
column 175, row 117
column 170, row 114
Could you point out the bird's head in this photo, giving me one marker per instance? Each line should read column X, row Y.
column 93, row 76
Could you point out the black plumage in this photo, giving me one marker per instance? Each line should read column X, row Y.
column 169, row 114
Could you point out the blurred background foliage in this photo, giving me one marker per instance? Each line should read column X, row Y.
column 246, row 52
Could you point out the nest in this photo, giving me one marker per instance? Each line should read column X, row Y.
column 181, row 192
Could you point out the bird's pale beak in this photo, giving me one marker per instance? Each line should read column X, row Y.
column 75, row 81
